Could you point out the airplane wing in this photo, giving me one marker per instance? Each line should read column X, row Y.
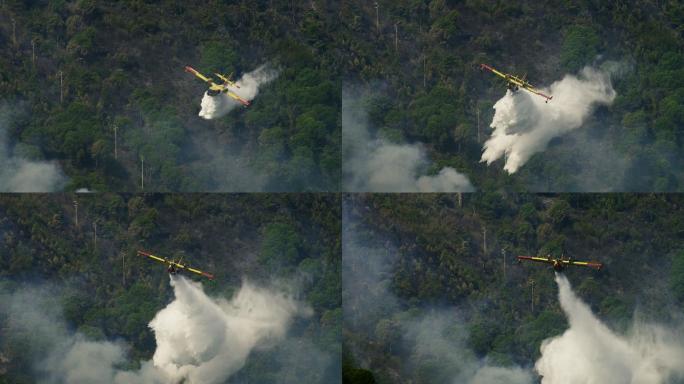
column 536, row 92
column 589, row 264
column 494, row 71
column 237, row 98
column 177, row 265
column 153, row 257
column 193, row 270
column 535, row 258
column 192, row 70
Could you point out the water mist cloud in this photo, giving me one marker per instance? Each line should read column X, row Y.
column 217, row 106
column 590, row 353
column 199, row 339
column 524, row 124
column 18, row 174
column 376, row 165
column 228, row 166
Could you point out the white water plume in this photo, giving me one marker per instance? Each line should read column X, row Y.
column 199, row 339
column 524, row 124
column 217, row 106
column 590, row 353
column 206, row 340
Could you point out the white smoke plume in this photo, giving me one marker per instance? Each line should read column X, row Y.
column 524, row 124
column 199, row 339
column 18, row 174
column 376, row 165
column 590, row 353
column 217, row 106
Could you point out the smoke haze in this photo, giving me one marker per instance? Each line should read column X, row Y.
column 434, row 340
column 199, row 339
column 524, row 124
column 587, row 163
column 228, row 166
column 590, row 353
column 374, row 164
column 19, row 174
column 217, row 106
column 440, row 337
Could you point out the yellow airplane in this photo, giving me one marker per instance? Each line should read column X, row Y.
column 514, row 82
column 560, row 264
column 215, row 89
column 174, row 267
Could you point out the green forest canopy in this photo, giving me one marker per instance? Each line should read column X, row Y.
column 121, row 66
column 441, row 261
column 107, row 292
column 425, row 53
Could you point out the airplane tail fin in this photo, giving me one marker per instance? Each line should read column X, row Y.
column 231, row 81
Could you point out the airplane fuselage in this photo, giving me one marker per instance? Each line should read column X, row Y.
column 558, row 266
